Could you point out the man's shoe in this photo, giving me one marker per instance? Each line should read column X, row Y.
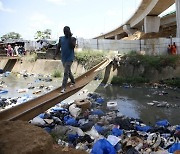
column 72, row 85
column 63, row 90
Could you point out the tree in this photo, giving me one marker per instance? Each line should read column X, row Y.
column 39, row 35
column 11, row 35
column 46, row 34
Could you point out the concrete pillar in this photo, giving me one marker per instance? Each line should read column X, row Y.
column 117, row 37
column 151, row 24
column 128, row 30
column 178, row 17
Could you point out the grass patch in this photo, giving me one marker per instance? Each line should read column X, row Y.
column 89, row 58
column 31, row 58
column 57, row 74
column 129, row 80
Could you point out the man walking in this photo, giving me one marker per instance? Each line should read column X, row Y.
column 67, row 44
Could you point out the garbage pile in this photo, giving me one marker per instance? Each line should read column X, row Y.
column 28, row 93
column 84, row 125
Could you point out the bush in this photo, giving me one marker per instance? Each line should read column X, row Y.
column 89, row 58
column 129, row 80
column 57, row 74
column 173, row 82
column 157, row 62
column 32, row 58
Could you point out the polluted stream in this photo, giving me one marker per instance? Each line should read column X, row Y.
column 149, row 103
column 113, row 119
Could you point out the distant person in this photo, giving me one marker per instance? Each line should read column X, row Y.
column 169, row 49
column 16, row 49
column 9, row 50
column 67, row 44
column 173, row 49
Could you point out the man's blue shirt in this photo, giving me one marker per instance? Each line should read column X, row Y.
column 67, row 53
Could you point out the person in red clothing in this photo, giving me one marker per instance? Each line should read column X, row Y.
column 173, row 49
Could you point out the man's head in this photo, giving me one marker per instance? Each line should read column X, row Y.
column 67, row 31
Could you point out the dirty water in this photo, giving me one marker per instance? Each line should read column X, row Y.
column 131, row 102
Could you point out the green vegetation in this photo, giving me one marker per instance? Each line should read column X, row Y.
column 31, row 58
column 10, row 35
column 173, row 82
column 89, row 58
column 157, row 62
column 57, row 74
column 129, row 80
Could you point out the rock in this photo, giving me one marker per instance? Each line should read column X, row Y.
column 18, row 137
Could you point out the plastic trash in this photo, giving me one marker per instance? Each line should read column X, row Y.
column 3, row 91
column 72, row 137
column 87, row 126
column 112, row 105
column 178, row 128
column 75, row 130
column 99, row 129
column 6, row 74
column 143, row 128
column 22, row 90
column 174, row 148
column 74, row 110
column 98, row 112
column 113, row 139
column 70, row 121
column 154, row 140
column 100, row 100
column 1, row 71
column 117, row 132
column 38, row 121
column 93, row 133
column 162, row 123
column 102, row 146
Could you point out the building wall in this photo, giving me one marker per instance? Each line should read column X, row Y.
column 149, row 46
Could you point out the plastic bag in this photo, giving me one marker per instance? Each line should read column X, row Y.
column 117, row 132
column 102, row 146
column 162, row 123
column 174, row 147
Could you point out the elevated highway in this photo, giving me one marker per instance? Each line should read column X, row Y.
column 145, row 19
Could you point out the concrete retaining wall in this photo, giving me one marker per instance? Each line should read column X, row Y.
column 150, row 46
column 42, row 66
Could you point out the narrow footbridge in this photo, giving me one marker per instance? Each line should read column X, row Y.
column 34, row 107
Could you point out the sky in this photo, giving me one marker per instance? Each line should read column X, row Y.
column 86, row 18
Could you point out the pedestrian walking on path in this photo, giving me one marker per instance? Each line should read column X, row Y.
column 67, row 44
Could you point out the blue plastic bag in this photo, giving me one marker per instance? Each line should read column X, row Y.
column 162, row 123
column 98, row 112
column 3, row 91
column 143, row 128
column 100, row 100
column 117, row 132
column 68, row 120
column 174, row 147
column 72, row 137
column 178, row 128
column 102, row 146
column 99, row 129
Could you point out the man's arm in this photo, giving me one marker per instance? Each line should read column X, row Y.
column 73, row 42
column 57, row 49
